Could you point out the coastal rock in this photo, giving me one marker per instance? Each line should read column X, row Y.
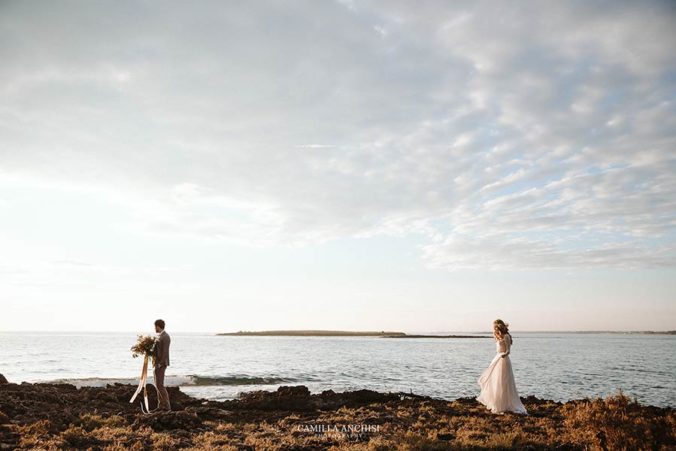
column 299, row 398
column 210, row 413
column 286, row 397
column 328, row 399
column 165, row 421
column 64, row 403
column 3, row 379
column 58, row 416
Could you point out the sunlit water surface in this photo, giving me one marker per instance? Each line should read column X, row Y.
column 548, row 365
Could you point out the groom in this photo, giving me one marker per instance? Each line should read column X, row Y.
column 161, row 364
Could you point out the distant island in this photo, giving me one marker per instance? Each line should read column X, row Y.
column 339, row 333
column 637, row 332
column 394, row 334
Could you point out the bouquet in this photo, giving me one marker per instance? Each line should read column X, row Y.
column 145, row 346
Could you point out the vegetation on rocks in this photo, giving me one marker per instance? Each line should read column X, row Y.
column 61, row 416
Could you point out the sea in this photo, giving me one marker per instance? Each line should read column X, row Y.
column 557, row 366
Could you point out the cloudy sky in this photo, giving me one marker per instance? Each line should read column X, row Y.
column 416, row 166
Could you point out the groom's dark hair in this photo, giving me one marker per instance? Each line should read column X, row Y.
column 159, row 323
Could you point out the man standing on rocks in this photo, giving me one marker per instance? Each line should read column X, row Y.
column 161, row 364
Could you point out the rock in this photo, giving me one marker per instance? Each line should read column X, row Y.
column 211, row 413
column 3, row 379
column 285, row 398
column 41, row 416
column 63, row 403
column 78, row 438
column 299, row 398
column 467, row 400
column 166, row 421
column 293, row 391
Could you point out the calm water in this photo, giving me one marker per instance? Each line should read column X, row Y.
column 548, row 365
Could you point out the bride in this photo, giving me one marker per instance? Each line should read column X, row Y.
column 498, row 389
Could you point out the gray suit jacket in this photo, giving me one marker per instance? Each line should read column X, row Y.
column 162, row 350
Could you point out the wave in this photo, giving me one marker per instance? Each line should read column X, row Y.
column 239, row 380
column 190, row 380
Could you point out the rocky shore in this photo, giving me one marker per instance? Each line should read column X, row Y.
column 61, row 416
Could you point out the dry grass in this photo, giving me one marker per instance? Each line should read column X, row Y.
column 616, row 422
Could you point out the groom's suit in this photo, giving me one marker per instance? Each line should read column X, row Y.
column 161, row 364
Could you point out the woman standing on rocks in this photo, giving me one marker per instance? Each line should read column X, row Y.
column 498, row 389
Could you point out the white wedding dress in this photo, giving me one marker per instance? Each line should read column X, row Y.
column 498, row 389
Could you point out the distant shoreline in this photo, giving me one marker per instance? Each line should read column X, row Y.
column 339, row 333
column 396, row 334
column 635, row 332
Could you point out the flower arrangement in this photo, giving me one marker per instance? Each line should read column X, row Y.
column 145, row 346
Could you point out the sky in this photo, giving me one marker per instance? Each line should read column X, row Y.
column 355, row 165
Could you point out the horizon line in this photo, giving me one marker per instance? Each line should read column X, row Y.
column 340, row 330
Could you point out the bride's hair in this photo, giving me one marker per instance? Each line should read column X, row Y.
column 500, row 328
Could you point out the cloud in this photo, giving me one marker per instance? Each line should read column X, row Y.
column 499, row 251
column 529, row 134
